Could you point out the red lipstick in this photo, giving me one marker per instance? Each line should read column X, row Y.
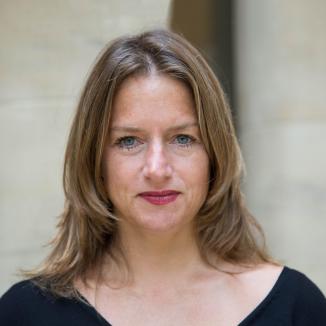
column 160, row 197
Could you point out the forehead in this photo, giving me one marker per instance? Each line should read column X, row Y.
column 152, row 98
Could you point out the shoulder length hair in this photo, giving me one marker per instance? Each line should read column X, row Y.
column 87, row 228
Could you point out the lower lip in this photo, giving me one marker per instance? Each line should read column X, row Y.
column 161, row 200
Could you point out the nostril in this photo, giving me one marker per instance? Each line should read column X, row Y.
column 157, row 171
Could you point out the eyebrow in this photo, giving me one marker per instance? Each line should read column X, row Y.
column 136, row 129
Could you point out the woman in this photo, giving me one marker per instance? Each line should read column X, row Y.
column 155, row 230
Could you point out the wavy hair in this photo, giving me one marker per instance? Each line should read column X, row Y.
column 87, row 229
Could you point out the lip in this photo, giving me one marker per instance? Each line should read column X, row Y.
column 163, row 197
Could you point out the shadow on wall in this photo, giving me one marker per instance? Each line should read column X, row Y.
column 208, row 25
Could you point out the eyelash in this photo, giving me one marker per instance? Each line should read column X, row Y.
column 189, row 144
column 120, row 140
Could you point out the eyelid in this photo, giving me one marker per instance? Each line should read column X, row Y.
column 191, row 140
column 191, row 137
column 119, row 141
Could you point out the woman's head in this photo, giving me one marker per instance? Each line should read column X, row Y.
column 155, row 166
column 152, row 53
column 88, row 226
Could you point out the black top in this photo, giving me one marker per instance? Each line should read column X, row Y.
column 294, row 300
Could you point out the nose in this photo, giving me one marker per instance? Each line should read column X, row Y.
column 157, row 166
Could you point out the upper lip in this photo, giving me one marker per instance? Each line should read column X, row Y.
column 159, row 193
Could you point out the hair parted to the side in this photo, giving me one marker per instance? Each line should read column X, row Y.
column 87, row 228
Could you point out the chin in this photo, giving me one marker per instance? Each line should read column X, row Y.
column 161, row 223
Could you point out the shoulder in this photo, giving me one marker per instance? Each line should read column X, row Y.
column 302, row 286
column 284, row 279
column 309, row 303
column 290, row 298
column 17, row 301
column 258, row 281
column 26, row 304
column 21, row 292
column 296, row 298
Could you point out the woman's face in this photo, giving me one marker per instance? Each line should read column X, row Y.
column 155, row 167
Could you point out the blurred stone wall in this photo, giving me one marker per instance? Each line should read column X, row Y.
column 47, row 48
column 280, row 69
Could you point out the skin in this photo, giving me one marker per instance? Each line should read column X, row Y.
column 165, row 153
column 171, row 284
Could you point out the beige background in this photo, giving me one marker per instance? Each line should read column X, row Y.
column 281, row 78
column 47, row 48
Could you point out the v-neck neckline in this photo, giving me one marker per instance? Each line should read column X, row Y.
column 250, row 317
column 266, row 300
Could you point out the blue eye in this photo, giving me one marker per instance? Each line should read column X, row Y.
column 127, row 142
column 184, row 140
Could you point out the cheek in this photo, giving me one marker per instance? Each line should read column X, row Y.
column 200, row 180
column 202, row 174
column 200, row 165
column 117, row 172
column 195, row 171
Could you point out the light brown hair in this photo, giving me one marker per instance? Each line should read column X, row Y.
column 87, row 228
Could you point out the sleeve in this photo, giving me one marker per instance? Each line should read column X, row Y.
column 11, row 313
column 310, row 304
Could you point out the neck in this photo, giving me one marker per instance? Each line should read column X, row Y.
column 160, row 258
